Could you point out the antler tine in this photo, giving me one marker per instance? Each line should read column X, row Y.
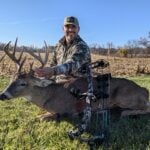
column 20, row 56
column 21, row 64
column 31, row 66
column 47, row 53
column 40, row 58
column 12, row 56
column 14, row 49
column 31, row 71
column 2, row 57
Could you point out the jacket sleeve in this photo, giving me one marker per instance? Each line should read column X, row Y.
column 80, row 56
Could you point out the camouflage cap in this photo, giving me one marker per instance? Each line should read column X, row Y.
column 71, row 20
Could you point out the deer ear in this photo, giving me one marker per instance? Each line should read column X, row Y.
column 43, row 82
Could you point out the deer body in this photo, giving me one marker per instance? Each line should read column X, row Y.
column 53, row 98
column 56, row 97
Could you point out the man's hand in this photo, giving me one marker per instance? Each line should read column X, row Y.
column 44, row 72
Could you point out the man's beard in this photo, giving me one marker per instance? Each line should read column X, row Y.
column 70, row 38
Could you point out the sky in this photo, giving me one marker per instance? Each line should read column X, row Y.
column 101, row 21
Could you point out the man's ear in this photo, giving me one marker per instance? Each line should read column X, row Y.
column 63, row 28
column 79, row 28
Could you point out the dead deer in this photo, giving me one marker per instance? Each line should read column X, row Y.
column 57, row 99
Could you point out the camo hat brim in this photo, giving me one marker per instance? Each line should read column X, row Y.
column 71, row 20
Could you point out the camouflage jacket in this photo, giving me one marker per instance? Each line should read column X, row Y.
column 69, row 59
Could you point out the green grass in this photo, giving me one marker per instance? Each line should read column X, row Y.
column 143, row 81
column 21, row 130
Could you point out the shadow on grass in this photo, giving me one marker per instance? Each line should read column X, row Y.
column 126, row 133
column 130, row 132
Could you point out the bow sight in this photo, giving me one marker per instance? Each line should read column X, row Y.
column 96, row 122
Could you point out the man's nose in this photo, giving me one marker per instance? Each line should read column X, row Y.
column 70, row 29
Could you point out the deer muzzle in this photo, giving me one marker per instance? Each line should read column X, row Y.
column 5, row 96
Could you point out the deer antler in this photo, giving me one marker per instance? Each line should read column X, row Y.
column 39, row 57
column 12, row 56
column 2, row 57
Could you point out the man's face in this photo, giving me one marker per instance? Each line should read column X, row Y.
column 70, row 31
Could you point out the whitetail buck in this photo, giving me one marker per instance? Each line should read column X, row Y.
column 57, row 99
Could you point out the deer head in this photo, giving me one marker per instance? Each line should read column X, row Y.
column 23, row 81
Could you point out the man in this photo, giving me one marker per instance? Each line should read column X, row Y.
column 70, row 54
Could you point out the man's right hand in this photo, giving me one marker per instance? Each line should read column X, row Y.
column 44, row 72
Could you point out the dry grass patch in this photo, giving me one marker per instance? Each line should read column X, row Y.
column 118, row 66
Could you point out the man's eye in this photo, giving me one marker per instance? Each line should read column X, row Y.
column 70, row 26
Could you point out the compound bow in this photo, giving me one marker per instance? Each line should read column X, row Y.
column 101, row 129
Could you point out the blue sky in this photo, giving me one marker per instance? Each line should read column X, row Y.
column 101, row 21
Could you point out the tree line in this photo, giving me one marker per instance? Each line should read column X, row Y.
column 133, row 48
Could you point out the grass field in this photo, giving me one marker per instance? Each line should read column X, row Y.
column 21, row 130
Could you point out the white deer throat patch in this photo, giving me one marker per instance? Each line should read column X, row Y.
column 44, row 83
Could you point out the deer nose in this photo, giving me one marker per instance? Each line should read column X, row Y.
column 3, row 97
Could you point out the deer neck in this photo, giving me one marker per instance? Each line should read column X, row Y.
column 46, row 97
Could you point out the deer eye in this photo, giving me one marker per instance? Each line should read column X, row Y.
column 23, row 84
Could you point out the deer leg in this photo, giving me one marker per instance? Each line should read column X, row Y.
column 48, row 116
column 54, row 116
column 146, row 110
column 134, row 112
